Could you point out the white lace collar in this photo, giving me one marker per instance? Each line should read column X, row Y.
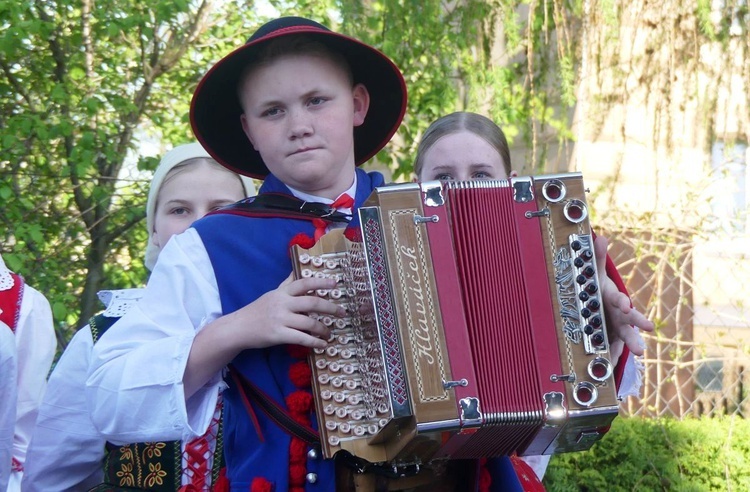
column 119, row 302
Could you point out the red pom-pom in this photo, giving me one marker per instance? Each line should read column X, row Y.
column 299, row 402
column 300, row 374
column 485, row 479
column 297, row 451
column 297, row 475
column 301, row 418
column 222, row 483
column 353, row 234
column 303, row 241
column 260, row 484
column 296, row 489
column 297, row 351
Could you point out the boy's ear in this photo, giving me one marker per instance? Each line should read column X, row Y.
column 246, row 129
column 361, row 103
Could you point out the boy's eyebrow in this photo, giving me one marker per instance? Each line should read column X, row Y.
column 272, row 101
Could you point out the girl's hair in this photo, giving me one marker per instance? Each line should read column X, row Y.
column 477, row 124
column 176, row 159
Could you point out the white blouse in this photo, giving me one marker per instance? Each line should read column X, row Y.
column 66, row 451
column 7, row 402
column 35, row 349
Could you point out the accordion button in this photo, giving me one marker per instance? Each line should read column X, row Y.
column 588, row 329
column 591, row 288
column 589, row 271
column 576, row 245
column 311, row 477
column 313, row 455
column 593, row 305
column 585, row 312
column 587, row 255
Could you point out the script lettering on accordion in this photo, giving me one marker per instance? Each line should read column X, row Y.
column 420, row 306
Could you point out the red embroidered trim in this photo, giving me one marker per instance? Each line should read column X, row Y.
column 11, row 300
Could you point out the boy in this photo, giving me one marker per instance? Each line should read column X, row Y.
column 222, row 292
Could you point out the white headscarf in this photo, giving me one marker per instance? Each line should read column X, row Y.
column 172, row 158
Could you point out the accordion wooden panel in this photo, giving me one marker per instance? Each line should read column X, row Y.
column 474, row 325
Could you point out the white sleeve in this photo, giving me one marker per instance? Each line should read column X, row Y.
column 7, row 401
column 134, row 387
column 35, row 345
column 66, row 451
column 632, row 376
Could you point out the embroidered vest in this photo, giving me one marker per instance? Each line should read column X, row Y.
column 10, row 302
column 146, row 466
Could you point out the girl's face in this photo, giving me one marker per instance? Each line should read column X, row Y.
column 462, row 156
column 189, row 193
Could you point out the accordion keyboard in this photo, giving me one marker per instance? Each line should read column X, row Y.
column 352, row 361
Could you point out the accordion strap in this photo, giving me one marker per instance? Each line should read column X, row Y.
column 274, row 205
column 250, row 392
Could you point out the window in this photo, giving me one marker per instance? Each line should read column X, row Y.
column 710, row 375
column 730, row 201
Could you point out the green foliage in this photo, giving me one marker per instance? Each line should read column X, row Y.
column 637, row 454
column 79, row 90
column 84, row 84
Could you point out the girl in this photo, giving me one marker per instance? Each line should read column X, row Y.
column 466, row 146
column 463, row 146
column 66, row 452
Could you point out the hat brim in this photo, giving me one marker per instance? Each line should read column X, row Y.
column 215, row 109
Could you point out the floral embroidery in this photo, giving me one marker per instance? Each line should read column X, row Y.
column 153, row 449
column 126, row 453
column 156, row 475
column 126, row 475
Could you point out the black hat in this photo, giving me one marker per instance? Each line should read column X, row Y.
column 215, row 109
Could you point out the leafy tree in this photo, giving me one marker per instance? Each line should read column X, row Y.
column 82, row 85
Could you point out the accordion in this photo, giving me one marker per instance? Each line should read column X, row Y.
column 474, row 324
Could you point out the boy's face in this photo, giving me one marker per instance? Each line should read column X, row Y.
column 462, row 156
column 299, row 113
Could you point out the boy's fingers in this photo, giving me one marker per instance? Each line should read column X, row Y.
column 312, row 326
column 304, row 285
column 298, row 337
column 287, row 280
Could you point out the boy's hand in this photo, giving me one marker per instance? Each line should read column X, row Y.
column 281, row 316
column 620, row 316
